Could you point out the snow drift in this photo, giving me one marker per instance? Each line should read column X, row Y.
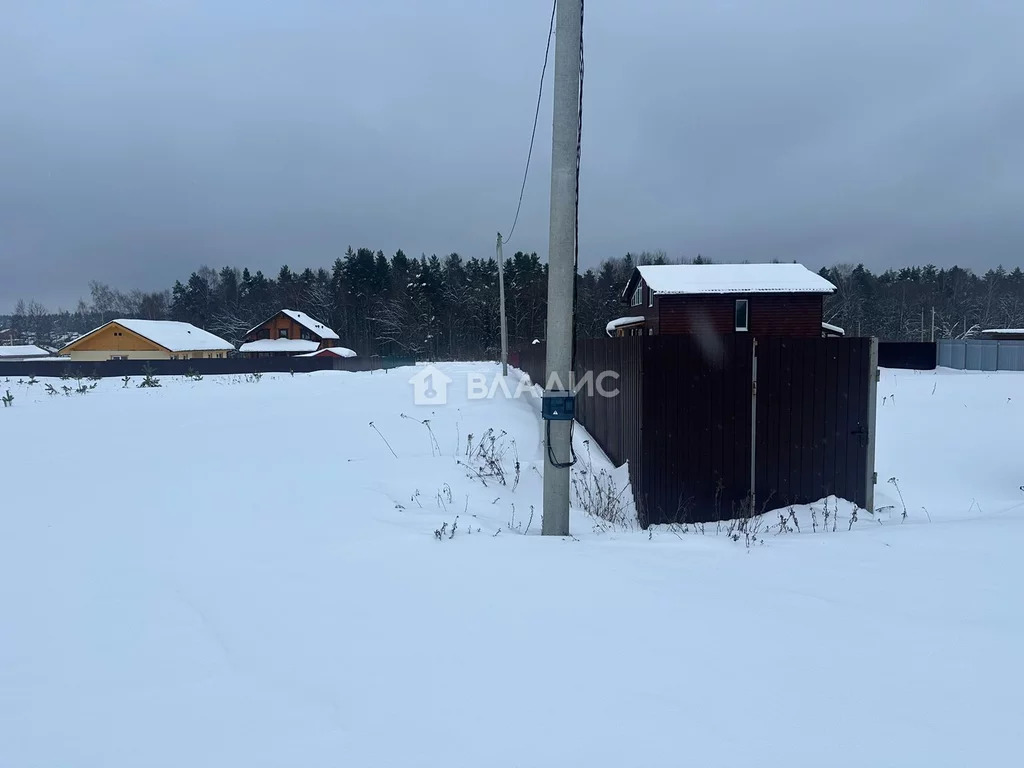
column 232, row 572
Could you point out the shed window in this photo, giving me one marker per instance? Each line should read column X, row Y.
column 650, row 297
column 282, row 333
column 742, row 315
column 305, row 335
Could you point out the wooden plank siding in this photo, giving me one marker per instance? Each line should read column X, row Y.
column 788, row 314
column 273, row 327
column 114, row 338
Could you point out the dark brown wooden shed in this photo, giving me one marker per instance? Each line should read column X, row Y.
column 724, row 299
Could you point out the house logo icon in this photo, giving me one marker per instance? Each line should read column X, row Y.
column 430, row 386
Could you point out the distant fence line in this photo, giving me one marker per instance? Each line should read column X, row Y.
column 204, row 366
column 913, row 355
column 982, row 355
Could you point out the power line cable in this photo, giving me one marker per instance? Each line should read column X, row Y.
column 536, row 117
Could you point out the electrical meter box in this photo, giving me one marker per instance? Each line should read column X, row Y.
column 558, row 406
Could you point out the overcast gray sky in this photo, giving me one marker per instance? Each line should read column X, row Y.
column 140, row 139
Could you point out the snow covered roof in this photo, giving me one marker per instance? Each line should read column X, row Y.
column 615, row 324
column 23, row 350
column 339, row 351
column 833, row 328
column 176, row 336
column 172, row 335
column 311, row 324
column 293, row 346
column 1014, row 331
column 733, row 278
column 307, row 322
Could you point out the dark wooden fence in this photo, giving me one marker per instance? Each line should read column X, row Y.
column 608, row 419
column 914, row 355
column 815, row 420
column 204, row 366
column 712, row 426
column 696, row 427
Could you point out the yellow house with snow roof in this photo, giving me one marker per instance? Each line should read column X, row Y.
column 127, row 339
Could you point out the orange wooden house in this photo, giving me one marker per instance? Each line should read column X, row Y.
column 289, row 332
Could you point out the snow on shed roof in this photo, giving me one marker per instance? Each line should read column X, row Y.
column 339, row 351
column 833, row 328
column 280, row 345
column 307, row 322
column 734, row 278
column 1014, row 331
column 615, row 324
column 23, row 350
column 172, row 335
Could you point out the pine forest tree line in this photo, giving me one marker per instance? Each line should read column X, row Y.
column 447, row 308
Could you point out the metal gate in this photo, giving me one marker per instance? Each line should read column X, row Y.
column 815, row 421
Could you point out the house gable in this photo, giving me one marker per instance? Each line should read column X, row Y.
column 647, row 305
column 295, row 326
column 113, row 337
column 631, row 284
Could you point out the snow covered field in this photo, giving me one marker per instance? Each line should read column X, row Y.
column 242, row 573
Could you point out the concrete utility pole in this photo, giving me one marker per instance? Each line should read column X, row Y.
column 561, row 257
column 501, row 309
